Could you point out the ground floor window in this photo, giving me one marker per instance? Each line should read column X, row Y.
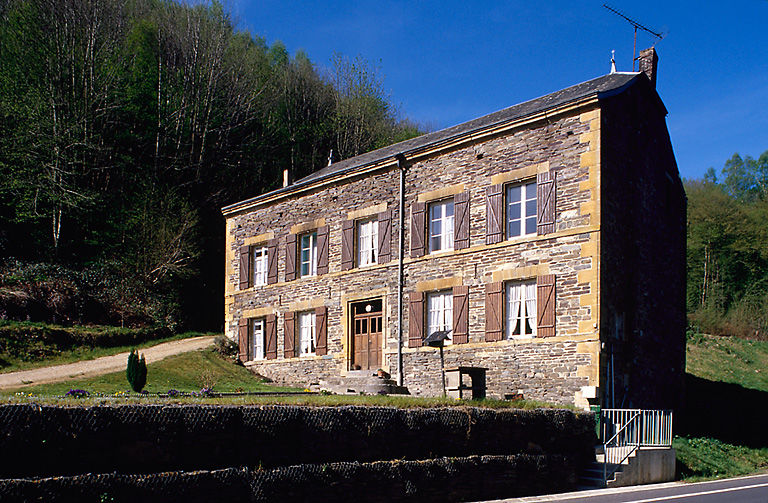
column 257, row 339
column 520, row 319
column 440, row 314
column 307, row 333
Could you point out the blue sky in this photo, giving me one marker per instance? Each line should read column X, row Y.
column 446, row 62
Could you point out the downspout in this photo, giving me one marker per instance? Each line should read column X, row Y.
column 401, row 165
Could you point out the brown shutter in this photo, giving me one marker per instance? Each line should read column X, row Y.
column 242, row 335
column 385, row 237
column 272, row 262
column 245, row 267
column 545, row 306
column 418, row 223
column 460, row 314
column 321, row 327
column 322, row 250
column 270, row 349
column 494, row 311
column 545, row 203
column 289, row 334
column 416, row 320
column 290, row 257
column 347, row 245
column 494, row 214
column 461, row 221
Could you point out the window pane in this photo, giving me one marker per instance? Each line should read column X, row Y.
column 513, row 229
column 530, row 208
column 513, row 194
column 530, row 225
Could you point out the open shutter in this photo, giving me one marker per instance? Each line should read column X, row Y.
column 242, row 336
column 385, row 237
column 460, row 314
column 545, row 203
column 245, row 267
column 418, row 223
column 270, row 349
column 545, row 306
column 272, row 262
column 290, row 257
column 494, row 214
column 347, row 245
column 416, row 320
column 461, row 221
column 289, row 334
column 321, row 324
column 322, row 250
column 494, row 311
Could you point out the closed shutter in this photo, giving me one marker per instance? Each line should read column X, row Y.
column 289, row 334
column 385, row 237
column 245, row 267
column 461, row 221
column 494, row 214
column 242, row 336
column 322, row 250
column 347, row 245
column 270, row 349
column 290, row 257
column 545, row 203
column 321, row 324
column 418, row 223
column 460, row 314
column 272, row 262
column 494, row 311
column 416, row 320
column 545, row 306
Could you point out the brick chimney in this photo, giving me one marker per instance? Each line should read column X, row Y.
column 649, row 63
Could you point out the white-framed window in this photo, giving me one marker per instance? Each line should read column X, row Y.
column 259, row 265
column 258, row 333
column 441, row 225
column 521, row 209
column 367, row 242
column 520, row 309
column 308, row 255
column 307, row 333
column 440, row 313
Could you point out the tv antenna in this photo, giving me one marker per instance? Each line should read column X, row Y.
column 636, row 25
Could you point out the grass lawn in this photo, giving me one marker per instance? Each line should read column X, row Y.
column 707, row 458
column 728, row 359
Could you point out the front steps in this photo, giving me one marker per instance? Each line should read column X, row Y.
column 362, row 382
column 642, row 466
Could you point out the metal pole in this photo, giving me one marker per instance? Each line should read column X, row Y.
column 401, row 164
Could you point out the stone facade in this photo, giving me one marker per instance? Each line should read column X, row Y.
column 564, row 143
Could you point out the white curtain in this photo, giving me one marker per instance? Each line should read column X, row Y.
column 530, row 305
column 513, row 309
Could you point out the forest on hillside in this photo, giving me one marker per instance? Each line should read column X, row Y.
column 125, row 125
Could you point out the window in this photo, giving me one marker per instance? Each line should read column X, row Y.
column 260, row 265
column 440, row 313
column 521, row 209
column 309, row 254
column 367, row 242
column 257, row 340
column 307, row 336
column 520, row 309
column 441, row 225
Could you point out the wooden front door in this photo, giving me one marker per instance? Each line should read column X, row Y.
column 367, row 331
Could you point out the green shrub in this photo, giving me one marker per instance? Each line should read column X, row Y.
column 136, row 371
column 225, row 346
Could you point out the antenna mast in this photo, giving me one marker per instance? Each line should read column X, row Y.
column 636, row 25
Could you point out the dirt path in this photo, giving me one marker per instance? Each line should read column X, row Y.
column 103, row 365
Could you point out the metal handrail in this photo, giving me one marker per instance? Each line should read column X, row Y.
column 616, row 437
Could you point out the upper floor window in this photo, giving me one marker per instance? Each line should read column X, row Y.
column 367, row 242
column 440, row 314
column 520, row 312
column 308, row 254
column 260, row 265
column 257, row 339
column 307, row 333
column 521, row 209
column 441, row 225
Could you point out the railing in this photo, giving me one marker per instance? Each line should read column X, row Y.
column 626, row 430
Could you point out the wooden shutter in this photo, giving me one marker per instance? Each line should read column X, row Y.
column 494, row 311
column 322, row 250
column 270, row 349
column 460, row 314
column 245, row 267
column 545, row 306
column 461, row 221
column 242, row 336
column 347, row 245
column 272, row 262
column 416, row 320
column 289, row 334
column 385, row 237
column 290, row 257
column 545, row 203
column 494, row 214
column 321, row 329
column 418, row 234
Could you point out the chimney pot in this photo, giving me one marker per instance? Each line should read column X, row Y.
column 649, row 62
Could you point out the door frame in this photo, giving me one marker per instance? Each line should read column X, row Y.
column 347, row 340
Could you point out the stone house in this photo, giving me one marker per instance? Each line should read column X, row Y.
column 545, row 240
